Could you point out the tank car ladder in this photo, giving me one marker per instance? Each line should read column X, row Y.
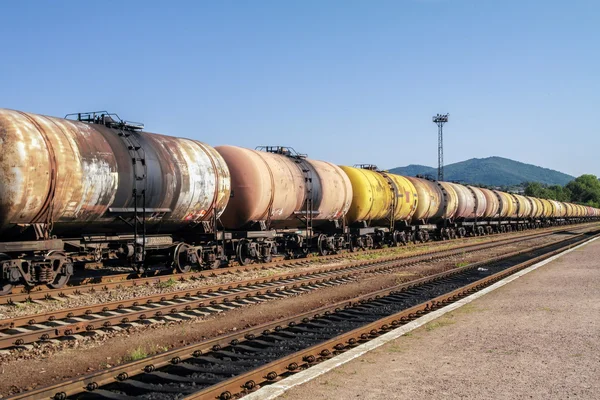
column 140, row 171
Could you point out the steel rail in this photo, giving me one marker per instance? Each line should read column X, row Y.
column 54, row 324
column 111, row 282
column 323, row 351
column 294, row 362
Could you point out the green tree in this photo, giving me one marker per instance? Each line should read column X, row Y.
column 585, row 190
column 536, row 189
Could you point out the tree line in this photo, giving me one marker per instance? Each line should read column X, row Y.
column 583, row 190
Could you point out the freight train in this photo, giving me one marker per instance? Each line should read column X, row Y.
column 92, row 188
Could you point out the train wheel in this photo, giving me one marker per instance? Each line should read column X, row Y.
column 322, row 245
column 59, row 258
column 242, row 252
column 5, row 287
column 351, row 245
column 184, row 257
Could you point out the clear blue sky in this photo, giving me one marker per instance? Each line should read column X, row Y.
column 345, row 81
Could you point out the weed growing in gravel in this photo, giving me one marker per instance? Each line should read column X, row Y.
column 136, row 354
column 166, row 284
column 438, row 324
column 462, row 264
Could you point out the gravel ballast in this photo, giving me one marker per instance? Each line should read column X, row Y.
column 536, row 337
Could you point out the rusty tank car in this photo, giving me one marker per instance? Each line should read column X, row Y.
column 99, row 188
column 285, row 200
column 92, row 188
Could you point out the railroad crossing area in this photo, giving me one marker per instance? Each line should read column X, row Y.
column 535, row 337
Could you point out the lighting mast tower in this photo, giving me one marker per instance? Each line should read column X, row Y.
column 440, row 120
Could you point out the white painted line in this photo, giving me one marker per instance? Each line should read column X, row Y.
column 277, row 389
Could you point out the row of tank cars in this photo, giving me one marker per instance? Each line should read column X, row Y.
column 91, row 188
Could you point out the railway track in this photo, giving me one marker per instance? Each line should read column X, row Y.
column 116, row 281
column 187, row 304
column 241, row 362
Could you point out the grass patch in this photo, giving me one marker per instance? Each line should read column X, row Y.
column 462, row 264
column 431, row 326
column 136, row 354
column 166, row 284
column 142, row 352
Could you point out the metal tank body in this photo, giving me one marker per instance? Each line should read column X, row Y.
column 273, row 188
column 373, row 196
column 78, row 177
column 480, row 203
column 532, row 206
column 540, row 210
column 557, row 209
column 435, row 201
column 539, row 207
column 507, row 205
column 523, row 206
column 492, row 203
column 471, row 202
column 451, row 200
column 571, row 210
column 465, row 201
column 407, row 197
column 548, row 208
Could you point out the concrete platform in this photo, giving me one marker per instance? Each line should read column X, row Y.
column 537, row 337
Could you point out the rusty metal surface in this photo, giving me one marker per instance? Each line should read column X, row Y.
column 523, row 206
column 451, row 200
column 407, row 200
column 273, row 187
column 508, row 207
column 558, row 209
column 492, row 203
column 480, row 202
column 430, row 202
column 466, row 202
column 69, row 174
column 335, row 191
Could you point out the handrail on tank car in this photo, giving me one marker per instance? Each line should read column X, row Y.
column 283, row 150
column 111, row 120
column 370, row 167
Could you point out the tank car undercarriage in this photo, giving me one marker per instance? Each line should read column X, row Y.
column 53, row 262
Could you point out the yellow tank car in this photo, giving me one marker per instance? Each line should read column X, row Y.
column 547, row 208
column 374, row 195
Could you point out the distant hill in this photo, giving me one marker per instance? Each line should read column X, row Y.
column 491, row 171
